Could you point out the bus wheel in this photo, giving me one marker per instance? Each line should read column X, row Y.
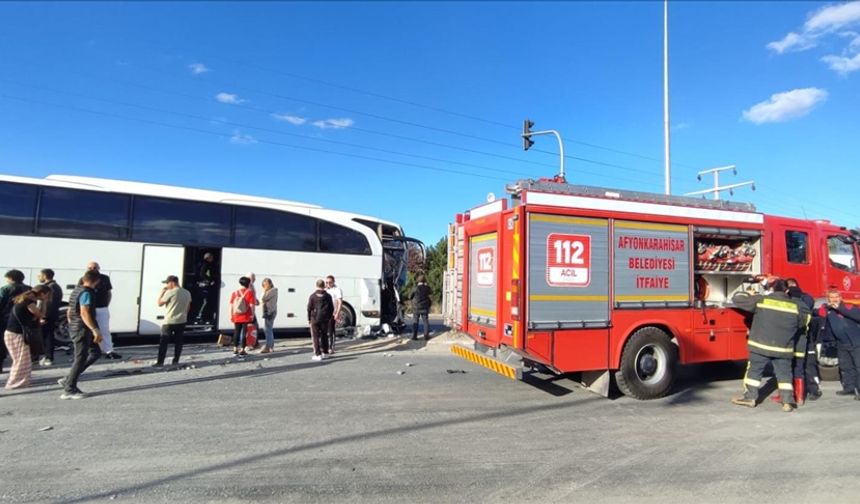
column 647, row 364
column 345, row 320
column 61, row 331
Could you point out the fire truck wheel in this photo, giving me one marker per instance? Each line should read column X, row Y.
column 647, row 364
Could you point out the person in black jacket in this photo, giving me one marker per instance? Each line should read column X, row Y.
column 14, row 286
column 320, row 312
column 806, row 377
column 843, row 322
column 421, row 306
column 50, row 314
column 84, row 331
column 778, row 321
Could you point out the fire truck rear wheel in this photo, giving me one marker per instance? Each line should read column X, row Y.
column 648, row 364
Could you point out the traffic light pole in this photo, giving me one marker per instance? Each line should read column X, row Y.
column 527, row 142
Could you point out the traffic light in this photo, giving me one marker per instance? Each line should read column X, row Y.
column 527, row 131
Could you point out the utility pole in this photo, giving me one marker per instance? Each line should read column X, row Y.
column 717, row 189
column 528, row 142
column 666, row 150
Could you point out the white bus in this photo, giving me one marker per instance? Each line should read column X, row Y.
column 140, row 233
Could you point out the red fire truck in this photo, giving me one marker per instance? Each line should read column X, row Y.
column 603, row 282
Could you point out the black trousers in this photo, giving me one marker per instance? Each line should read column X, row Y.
column 849, row 361
column 331, row 334
column 175, row 332
column 319, row 336
column 781, row 368
column 239, row 334
column 416, row 317
column 48, row 338
column 3, row 351
column 86, row 353
column 806, row 367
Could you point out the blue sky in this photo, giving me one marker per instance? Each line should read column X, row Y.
column 257, row 98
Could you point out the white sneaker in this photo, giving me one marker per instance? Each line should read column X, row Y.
column 317, row 358
column 77, row 394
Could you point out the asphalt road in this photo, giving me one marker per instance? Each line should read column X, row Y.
column 351, row 429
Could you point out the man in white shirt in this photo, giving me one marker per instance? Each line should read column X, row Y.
column 336, row 297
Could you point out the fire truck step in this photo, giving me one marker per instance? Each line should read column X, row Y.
column 506, row 370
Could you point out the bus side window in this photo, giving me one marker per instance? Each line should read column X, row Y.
column 17, row 208
column 83, row 214
column 163, row 220
column 273, row 229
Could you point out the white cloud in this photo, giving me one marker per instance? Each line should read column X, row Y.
column 785, row 106
column 198, row 68
column 833, row 17
column 792, row 42
column 240, row 139
column 338, row 123
column 292, row 119
column 843, row 65
column 229, row 98
column 824, row 21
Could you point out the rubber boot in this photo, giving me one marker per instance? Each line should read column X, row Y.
column 799, row 391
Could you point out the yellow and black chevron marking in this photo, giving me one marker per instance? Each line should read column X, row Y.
column 505, row 370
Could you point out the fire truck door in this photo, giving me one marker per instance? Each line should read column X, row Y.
column 568, row 272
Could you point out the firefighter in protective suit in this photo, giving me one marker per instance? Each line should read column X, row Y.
column 778, row 322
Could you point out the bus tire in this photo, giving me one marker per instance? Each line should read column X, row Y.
column 648, row 364
column 61, row 330
column 345, row 321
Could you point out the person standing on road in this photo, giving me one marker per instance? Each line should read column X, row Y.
column 270, row 310
column 84, row 331
column 178, row 303
column 23, row 324
column 14, row 286
column 104, row 294
column 253, row 288
column 50, row 309
column 337, row 298
column 421, row 302
column 320, row 312
column 777, row 323
column 242, row 304
column 843, row 321
column 805, row 367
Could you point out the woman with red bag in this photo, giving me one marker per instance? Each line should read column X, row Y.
column 242, row 303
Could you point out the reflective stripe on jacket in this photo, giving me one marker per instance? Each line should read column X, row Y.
column 778, row 323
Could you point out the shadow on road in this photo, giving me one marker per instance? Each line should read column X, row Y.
column 480, row 419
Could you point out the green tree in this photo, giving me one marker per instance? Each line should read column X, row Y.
column 435, row 263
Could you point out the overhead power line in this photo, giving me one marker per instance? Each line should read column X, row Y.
column 418, row 104
column 509, row 144
column 271, row 112
column 262, row 141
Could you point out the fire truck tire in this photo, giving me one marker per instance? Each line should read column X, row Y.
column 648, row 364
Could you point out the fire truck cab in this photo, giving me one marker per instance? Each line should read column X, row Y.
column 622, row 284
